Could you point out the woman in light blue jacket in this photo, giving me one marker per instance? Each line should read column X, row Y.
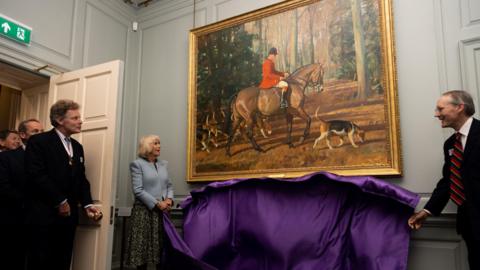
column 153, row 192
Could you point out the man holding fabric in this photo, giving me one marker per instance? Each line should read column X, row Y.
column 461, row 171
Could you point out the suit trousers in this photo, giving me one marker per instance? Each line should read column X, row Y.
column 13, row 246
column 51, row 247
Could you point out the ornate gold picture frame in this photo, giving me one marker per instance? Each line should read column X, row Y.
column 337, row 58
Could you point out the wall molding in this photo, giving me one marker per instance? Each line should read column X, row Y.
column 165, row 8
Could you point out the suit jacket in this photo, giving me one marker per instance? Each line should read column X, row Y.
column 470, row 172
column 151, row 183
column 12, row 186
column 51, row 179
column 270, row 76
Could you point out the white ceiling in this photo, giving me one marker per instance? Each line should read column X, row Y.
column 137, row 4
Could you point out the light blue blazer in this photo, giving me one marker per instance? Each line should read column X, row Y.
column 150, row 185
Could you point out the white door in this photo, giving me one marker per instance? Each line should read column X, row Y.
column 34, row 104
column 98, row 90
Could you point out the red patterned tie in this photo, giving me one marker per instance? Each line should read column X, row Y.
column 457, row 193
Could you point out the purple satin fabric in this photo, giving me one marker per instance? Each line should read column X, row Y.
column 181, row 257
column 318, row 221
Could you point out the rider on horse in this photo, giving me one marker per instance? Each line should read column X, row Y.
column 273, row 78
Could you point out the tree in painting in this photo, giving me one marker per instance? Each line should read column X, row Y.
column 226, row 64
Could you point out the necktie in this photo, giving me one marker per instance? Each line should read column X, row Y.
column 457, row 192
column 69, row 150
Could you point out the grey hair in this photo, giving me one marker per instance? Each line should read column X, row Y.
column 60, row 108
column 458, row 97
column 22, row 127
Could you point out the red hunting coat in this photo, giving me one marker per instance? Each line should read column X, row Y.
column 270, row 76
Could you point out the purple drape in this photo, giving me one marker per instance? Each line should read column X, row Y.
column 181, row 257
column 319, row 221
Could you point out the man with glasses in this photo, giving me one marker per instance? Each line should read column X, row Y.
column 461, row 171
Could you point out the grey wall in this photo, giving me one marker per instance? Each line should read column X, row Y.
column 437, row 48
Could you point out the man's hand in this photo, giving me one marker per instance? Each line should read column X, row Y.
column 64, row 209
column 93, row 213
column 286, row 74
column 416, row 220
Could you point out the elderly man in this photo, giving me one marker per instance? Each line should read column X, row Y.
column 56, row 178
column 461, row 171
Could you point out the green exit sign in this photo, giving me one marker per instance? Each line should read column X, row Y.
column 14, row 30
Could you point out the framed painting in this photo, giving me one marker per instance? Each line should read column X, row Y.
column 293, row 88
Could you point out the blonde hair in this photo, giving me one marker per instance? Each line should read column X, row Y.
column 145, row 145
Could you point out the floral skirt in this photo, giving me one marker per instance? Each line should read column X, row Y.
column 145, row 242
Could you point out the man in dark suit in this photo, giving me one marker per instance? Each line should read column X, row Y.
column 12, row 199
column 461, row 171
column 57, row 183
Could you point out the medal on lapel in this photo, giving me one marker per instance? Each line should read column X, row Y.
column 69, row 151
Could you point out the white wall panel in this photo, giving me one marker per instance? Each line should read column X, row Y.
column 448, row 255
column 69, row 34
column 54, row 24
column 163, row 91
column 62, row 24
column 470, row 62
column 418, row 89
column 106, row 35
column 437, row 246
column 471, row 12
column 229, row 8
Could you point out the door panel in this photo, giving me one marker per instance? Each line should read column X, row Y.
column 95, row 159
column 34, row 104
column 98, row 91
column 66, row 89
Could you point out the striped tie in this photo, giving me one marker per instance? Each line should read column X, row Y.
column 457, row 193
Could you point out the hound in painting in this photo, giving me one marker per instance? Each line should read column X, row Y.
column 209, row 132
column 340, row 128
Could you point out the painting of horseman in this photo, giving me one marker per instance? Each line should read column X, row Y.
column 298, row 67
